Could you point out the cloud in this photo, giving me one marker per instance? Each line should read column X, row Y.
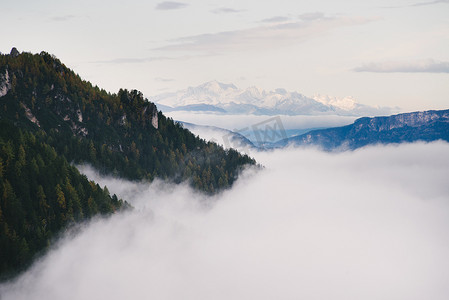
column 275, row 19
column 420, row 4
column 138, row 60
column 420, row 66
column 160, row 79
column 123, row 61
column 240, row 122
column 169, row 5
column 306, row 17
column 62, row 18
column 225, row 10
column 370, row 224
column 430, row 3
column 311, row 16
column 267, row 36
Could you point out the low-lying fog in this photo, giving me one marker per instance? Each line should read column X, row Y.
column 369, row 224
column 239, row 122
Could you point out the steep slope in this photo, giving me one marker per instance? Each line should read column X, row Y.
column 49, row 119
column 40, row 194
column 227, row 98
column 121, row 134
column 409, row 127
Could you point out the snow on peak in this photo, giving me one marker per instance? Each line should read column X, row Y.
column 280, row 91
column 254, row 100
column 216, row 87
column 346, row 103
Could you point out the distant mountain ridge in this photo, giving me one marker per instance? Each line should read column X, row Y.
column 407, row 127
column 226, row 138
column 227, row 98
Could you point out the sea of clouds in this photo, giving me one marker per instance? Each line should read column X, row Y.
column 368, row 224
column 239, row 122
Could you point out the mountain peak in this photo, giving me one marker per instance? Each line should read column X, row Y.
column 14, row 52
column 216, row 86
column 345, row 103
column 254, row 100
column 280, row 91
column 255, row 91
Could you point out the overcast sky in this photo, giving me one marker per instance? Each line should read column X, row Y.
column 388, row 53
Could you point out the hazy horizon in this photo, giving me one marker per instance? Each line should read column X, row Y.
column 386, row 53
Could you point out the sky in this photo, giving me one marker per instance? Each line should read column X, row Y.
column 386, row 53
column 368, row 224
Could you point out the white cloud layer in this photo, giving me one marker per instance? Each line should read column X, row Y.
column 246, row 122
column 419, row 66
column 369, row 224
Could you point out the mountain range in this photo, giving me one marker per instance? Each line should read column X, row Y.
column 407, row 127
column 223, row 98
column 51, row 120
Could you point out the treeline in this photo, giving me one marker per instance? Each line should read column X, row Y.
column 121, row 134
column 40, row 193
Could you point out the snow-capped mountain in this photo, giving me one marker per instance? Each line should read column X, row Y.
column 218, row 97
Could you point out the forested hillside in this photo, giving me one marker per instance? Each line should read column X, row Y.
column 51, row 119
column 40, row 193
column 121, row 134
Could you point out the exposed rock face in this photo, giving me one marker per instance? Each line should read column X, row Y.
column 14, row 52
column 415, row 119
column 30, row 115
column 154, row 118
column 417, row 126
column 123, row 120
column 80, row 115
column 5, row 83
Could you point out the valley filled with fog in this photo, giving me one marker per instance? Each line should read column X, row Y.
column 216, row 150
column 366, row 224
